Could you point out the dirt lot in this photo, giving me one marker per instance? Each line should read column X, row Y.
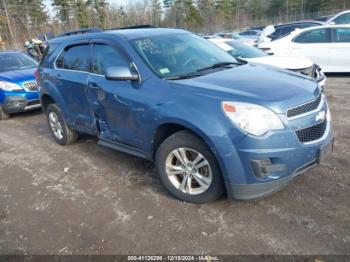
column 86, row 199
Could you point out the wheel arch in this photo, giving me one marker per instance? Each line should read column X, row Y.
column 46, row 100
column 166, row 129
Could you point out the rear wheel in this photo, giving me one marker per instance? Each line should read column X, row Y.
column 188, row 169
column 61, row 132
column 3, row 115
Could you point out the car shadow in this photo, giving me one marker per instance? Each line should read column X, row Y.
column 27, row 113
column 338, row 74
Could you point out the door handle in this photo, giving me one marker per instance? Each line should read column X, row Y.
column 93, row 86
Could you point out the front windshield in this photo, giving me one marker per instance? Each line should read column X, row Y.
column 15, row 61
column 243, row 50
column 175, row 55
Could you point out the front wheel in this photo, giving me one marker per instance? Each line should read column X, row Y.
column 61, row 132
column 188, row 169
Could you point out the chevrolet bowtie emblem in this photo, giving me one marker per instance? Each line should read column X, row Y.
column 321, row 116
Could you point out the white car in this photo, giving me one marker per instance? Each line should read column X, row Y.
column 236, row 36
column 252, row 54
column 340, row 18
column 250, row 33
column 328, row 46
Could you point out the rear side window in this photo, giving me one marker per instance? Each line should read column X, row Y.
column 105, row 56
column 287, row 29
column 75, row 58
column 280, row 31
column 341, row 35
column 313, row 36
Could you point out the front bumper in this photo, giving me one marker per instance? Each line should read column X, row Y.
column 16, row 102
column 260, row 190
column 280, row 154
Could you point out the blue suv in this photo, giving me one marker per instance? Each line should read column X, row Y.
column 210, row 123
column 18, row 88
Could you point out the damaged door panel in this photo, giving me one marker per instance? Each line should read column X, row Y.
column 73, row 66
column 113, row 101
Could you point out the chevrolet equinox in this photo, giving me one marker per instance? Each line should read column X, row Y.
column 211, row 124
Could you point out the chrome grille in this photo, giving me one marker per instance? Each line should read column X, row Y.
column 31, row 86
column 312, row 133
column 304, row 108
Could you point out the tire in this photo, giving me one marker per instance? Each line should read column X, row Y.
column 173, row 171
column 3, row 115
column 60, row 131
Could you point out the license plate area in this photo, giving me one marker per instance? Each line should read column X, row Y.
column 325, row 151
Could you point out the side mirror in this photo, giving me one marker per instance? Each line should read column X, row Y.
column 120, row 73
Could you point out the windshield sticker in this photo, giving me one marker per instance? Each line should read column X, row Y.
column 225, row 46
column 164, row 71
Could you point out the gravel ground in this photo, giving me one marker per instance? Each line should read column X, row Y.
column 86, row 199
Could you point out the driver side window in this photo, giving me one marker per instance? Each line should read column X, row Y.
column 342, row 19
column 105, row 56
column 313, row 36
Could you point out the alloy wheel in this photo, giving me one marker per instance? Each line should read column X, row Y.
column 56, row 125
column 188, row 171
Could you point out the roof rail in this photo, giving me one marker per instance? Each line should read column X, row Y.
column 133, row 27
column 81, row 31
column 97, row 30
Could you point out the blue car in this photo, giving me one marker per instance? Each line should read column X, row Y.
column 211, row 124
column 18, row 87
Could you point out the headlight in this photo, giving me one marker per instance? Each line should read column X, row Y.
column 7, row 86
column 254, row 119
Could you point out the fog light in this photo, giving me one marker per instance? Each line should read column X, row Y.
column 16, row 104
column 264, row 167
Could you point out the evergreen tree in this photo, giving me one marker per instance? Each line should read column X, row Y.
column 255, row 9
column 226, row 10
column 64, row 12
column 82, row 12
column 100, row 8
column 156, row 10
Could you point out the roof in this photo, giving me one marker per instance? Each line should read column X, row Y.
column 297, row 31
column 129, row 34
column 299, row 22
column 81, row 31
column 326, row 26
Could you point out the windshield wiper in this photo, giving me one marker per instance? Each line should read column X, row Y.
column 199, row 71
column 217, row 65
column 184, row 76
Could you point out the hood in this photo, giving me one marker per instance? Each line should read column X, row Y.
column 248, row 41
column 18, row 76
column 275, row 88
column 287, row 62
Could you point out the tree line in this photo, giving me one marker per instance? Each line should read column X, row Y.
column 24, row 19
